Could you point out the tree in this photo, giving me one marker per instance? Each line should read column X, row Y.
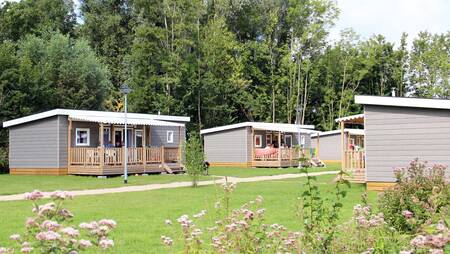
column 430, row 65
column 18, row 19
column 194, row 158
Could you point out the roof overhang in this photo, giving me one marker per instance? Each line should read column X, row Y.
column 402, row 102
column 89, row 113
column 282, row 127
column 334, row 132
column 121, row 121
column 353, row 119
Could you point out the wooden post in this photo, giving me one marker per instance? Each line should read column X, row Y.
column 179, row 144
column 253, row 145
column 102, row 147
column 318, row 146
column 342, row 145
column 162, row 155
column 113, row 136
column 279, row 147
column 69, row 144
column 144, row 147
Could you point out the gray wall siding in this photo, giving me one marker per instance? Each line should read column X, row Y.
column 34, row 144
column 159, row 136
column 397, row 135
column 63, row 128
column 94, row 132
column 227, row 146
column 330, row 146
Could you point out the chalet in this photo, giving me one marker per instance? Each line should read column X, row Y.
column 397, row 130
column 255, row 144
column 327, row 144
column 80, row 142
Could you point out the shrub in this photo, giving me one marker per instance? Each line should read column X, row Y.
column 49, row 230
column 420, row 196
column 194, row 158
column 240, row 230
column 4, row 160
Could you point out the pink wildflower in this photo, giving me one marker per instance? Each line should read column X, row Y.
column 407, row 214
column 50, row 225
column 61, row 195
column 70, row 232
column 436, row 251
column 168, row 222
column 419, row 241
column 30, row 222
column 34, row 195
column 26, row 249
column 85, row 243
column 48, row 236
column 46, row 209
column 109, row 223
column 106, row 243
column 405, row 252
column 167, row 240
column 14, row 237
column 66, row 213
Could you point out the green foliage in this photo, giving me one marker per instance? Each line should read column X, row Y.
column 194, row 158
column 422, row 191
column 4, row 160
column 319, row 217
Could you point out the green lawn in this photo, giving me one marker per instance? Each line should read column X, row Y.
column 13, row 184
column 141, row 215
column 249, row 172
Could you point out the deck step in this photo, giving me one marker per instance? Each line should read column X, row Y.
column 167, row 168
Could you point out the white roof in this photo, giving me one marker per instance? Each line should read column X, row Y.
column 333, row 132
column 85, row 114
column 283, row 127
column 121, row 120
column 348, row 118
column 403, row 102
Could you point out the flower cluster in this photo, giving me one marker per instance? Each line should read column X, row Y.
column 240, row 230
column 434, row 239
column 365, row 218
column 48, row 231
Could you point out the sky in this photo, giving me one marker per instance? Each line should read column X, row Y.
column 392, row 17
column 389, row 17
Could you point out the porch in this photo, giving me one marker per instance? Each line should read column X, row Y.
column 110, row 161
column 278, row 157
column 277, row 146
column 96, row 146
column 353, row 152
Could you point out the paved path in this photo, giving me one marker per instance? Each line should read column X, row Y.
column 172, row 185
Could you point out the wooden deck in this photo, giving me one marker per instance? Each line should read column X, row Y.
column 354, row 165
column 282, row 157
column 110, row 161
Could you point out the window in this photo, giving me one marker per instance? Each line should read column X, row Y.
column 169, row 136
column 288, row 140
column 302, row 140
column 82, row 136
column 258, row 140
column 138, row 138
column 106, row 135
column 268, row 139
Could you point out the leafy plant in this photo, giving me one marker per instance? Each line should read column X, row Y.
column 49, row 230
column 422, row 193
column 194, row 158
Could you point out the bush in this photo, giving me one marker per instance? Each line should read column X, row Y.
column 49, row 230
column 421, row 196
column 194, row 158
column 4, row 163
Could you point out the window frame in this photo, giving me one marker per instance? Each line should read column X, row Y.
column 109, row 134
column 285, row 138
column 88, row 131
column 136, row 135
column 267, row 139
column 260, row 140
column 170, row 141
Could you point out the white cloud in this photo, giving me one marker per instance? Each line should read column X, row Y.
column 392, row 17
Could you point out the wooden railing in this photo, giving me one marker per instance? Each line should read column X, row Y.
column 87, row 156
column 287, row 154
column 354, row 160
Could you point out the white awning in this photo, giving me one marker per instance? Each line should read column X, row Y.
column 359, row 117
column 121, row 120
column 292, row 128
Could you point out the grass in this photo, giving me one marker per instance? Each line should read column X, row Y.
column 249, row 172
column 141, row 215
column 13, row 184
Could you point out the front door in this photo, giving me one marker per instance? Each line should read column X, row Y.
column 118, row 138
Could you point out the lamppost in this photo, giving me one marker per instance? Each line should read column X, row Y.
column 125, row 89
column 298, row 121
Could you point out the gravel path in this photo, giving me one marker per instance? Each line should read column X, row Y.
column 172, row 185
